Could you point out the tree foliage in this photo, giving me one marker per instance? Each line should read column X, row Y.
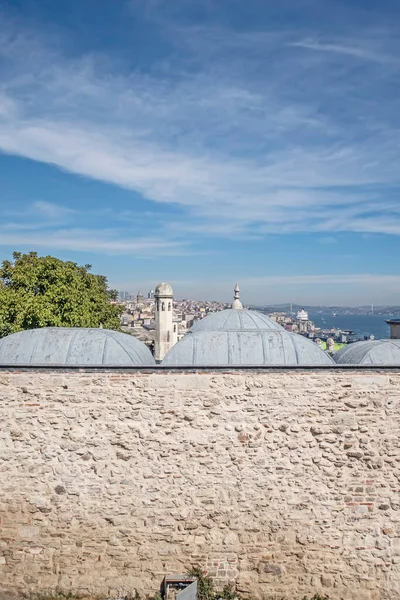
column 43, row 291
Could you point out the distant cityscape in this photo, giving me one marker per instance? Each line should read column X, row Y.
column 138, row 318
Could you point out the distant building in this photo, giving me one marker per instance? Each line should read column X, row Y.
column 126, row 319
column 123, row 296
column 302, row 320
column 394, row 325
column 302, row 315
column 330, row 345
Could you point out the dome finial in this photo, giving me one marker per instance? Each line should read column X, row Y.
column 236, row 304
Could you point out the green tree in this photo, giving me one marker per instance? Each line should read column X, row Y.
column 43, row 291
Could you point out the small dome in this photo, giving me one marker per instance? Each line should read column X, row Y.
column 163, row 289
column 236, row 320
column 243, row 347
column 74, row 346
column 377, row 352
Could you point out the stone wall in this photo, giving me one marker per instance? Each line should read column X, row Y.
column 286, row 482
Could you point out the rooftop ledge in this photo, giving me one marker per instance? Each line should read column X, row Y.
column 193, row 369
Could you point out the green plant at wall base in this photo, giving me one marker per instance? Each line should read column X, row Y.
column 137, row 596
column 54, row 595
column 206, row 590
column 205, row 584
column 60, row 595
column 43, row 291
column 205, row 587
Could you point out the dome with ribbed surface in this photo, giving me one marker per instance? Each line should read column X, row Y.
column 378, row 352
column 236, row 320
column 243, row 338
column 74, row 346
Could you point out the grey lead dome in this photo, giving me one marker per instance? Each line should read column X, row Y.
column 74, row 346
column 378, row 352
column 243, row 337
column 236, row 320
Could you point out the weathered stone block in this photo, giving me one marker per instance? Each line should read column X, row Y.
column 266, row 478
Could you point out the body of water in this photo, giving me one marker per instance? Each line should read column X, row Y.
column 362, row 325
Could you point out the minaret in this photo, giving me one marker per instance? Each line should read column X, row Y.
column 164, row 339
column 236, row 304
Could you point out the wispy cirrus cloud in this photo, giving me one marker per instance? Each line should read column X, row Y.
column 51, row 211
column 248, row 133
column 46, row 225
column 106, row 241
column 362, row 51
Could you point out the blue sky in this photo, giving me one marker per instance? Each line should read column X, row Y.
column 206, row 141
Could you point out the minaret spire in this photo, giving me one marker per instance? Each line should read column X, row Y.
column 236, row 304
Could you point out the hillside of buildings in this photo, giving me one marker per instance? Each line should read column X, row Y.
column 138, row 318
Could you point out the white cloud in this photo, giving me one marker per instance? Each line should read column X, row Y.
column 105, row 241
column 52, row 211
column 51, row 226
column 253, row 142
column 360, row 52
